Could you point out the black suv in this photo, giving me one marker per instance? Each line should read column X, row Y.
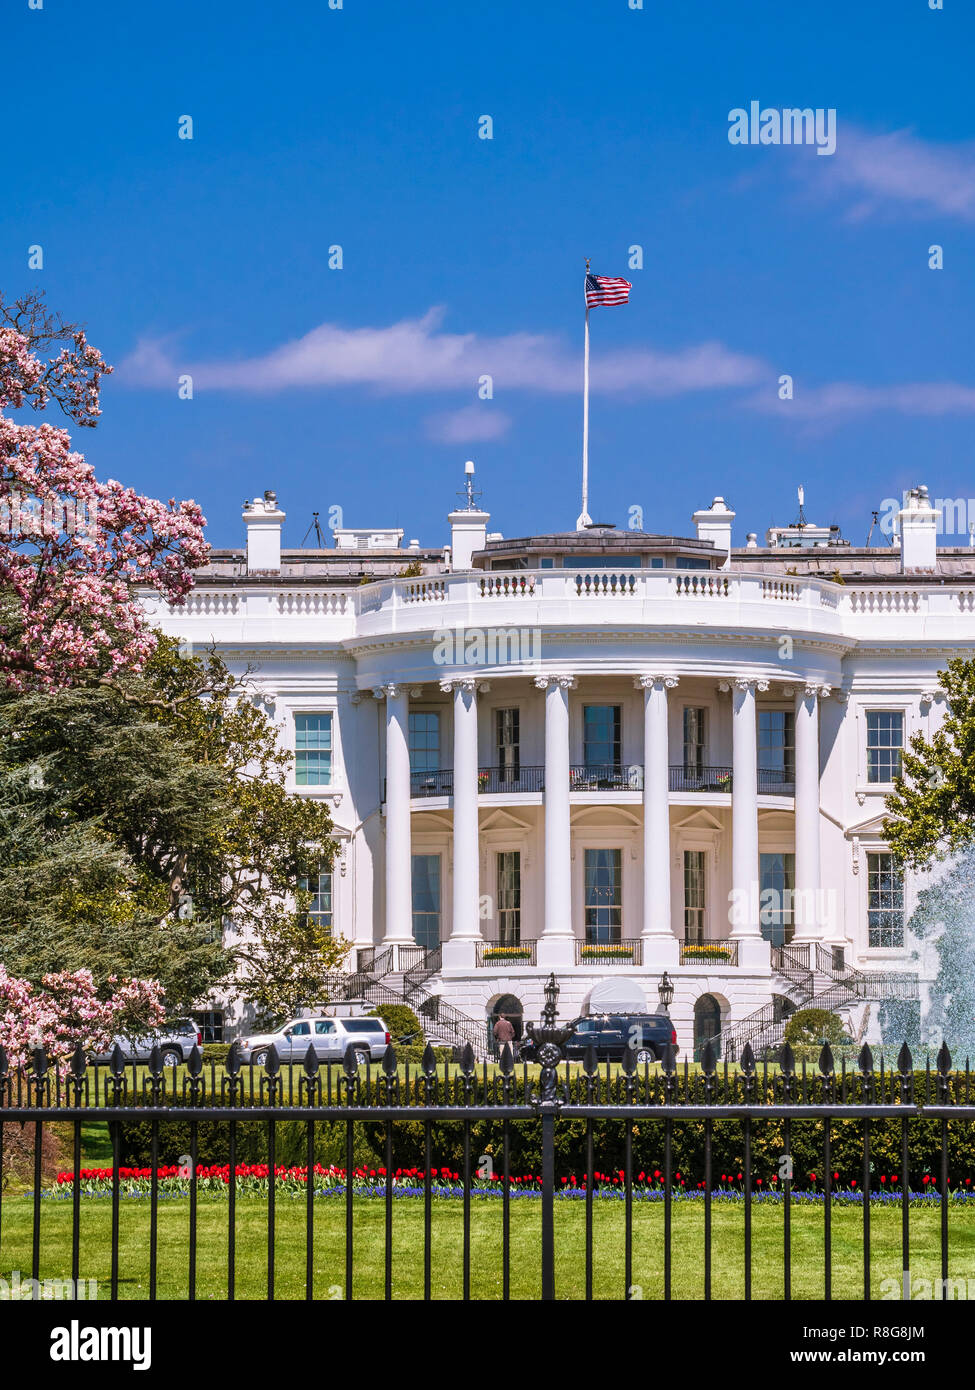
column 612, row 1035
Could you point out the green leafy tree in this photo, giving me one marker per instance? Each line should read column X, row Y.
column 807, row 1027
column 141, row 815
column 931, row 811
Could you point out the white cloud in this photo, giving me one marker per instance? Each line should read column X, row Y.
column 840, row 399
column 895, row 171
column 415, row 356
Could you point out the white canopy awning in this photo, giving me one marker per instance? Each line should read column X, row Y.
column 617, row 996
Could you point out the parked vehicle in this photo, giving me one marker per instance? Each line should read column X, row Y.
column 175, row 1040
column 612, row 1035
column 330, row 1037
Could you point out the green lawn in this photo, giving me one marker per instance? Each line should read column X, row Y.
column 728, row 1248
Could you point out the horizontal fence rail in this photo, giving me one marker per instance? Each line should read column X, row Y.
column 420, row 1104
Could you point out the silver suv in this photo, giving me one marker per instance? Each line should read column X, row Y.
column 176, row 1040
column 330, row 1037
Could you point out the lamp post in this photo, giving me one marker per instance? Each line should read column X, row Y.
column 665, row 992
column 549, row 1040
column 551, row 992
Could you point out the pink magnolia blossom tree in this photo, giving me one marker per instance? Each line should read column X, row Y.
column 67, row 1010
column 72, row 549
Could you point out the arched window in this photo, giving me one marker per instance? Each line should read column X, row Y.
column 707, row 1025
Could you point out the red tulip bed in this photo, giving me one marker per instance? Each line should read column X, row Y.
column 253, row 1180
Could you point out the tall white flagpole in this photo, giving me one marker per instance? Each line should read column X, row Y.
column 584, row 518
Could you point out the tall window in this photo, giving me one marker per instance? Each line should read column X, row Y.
column 601, row 736
column 320, row 908
column 695, row 900
column 695, row 740
column 509, row 898
column 426, row 900
column 507, row 725
column 885, row 901
column 313, row 750
column 777, row 874
column 604, row 895
column 424, row 741
column 210, row 1024
column 885, row 739
column 776, row 746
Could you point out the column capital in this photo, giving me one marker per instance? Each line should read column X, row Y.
column 744, row 683
column 669, row 682
column 469, row 684
column 563, row 682
column 813, row 689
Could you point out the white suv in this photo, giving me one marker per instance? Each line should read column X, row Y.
column 330, row 1037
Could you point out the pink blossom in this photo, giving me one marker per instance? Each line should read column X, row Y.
column 66, row 1011
column 73, row 549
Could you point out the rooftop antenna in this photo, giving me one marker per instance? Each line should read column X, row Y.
column 316, row 527
column 874, row 521
column 469, row 495
column 802, row 498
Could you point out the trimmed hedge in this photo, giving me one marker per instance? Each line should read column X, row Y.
column 401, row 1021
column 768, row 1142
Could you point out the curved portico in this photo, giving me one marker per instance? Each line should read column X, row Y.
column 646, row 819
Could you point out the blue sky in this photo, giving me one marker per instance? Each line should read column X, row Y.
column 357, row 388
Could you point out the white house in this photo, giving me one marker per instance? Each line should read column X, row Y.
column 604, row 754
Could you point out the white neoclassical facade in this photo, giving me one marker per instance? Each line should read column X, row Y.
column 605, row 754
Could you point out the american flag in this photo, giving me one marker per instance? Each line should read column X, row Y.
column 606, row 289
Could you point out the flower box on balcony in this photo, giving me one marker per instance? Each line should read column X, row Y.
column 507, row 953
column 707, row 952
column 482, row 780
column 609, row 952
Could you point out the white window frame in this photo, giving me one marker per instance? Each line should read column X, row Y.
column 297, row 707
column 878, row 706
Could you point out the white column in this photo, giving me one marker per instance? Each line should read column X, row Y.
column 661, row 948
column 808, row 882
column 555, row 946
column 753, row 950
column 399, row 881
column 458, row 952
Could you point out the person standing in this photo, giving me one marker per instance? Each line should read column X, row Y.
column 504, row 1033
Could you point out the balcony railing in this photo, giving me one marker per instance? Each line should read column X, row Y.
column 605, row 777
column 506, row 779
column 772, row 781
column 597, row 777
column 700, row 779
column 502, row 953
column 440, row 783
column 709, row 952
column 776, row 781
column 625, row 952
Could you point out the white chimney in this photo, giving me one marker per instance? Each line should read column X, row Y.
column 263, row 520
column 919, row 532
column 468, row 528
column 714, row 524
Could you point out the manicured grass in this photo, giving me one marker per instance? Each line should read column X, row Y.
column 329, row 1248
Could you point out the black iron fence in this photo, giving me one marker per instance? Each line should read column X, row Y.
column 421, row 1105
